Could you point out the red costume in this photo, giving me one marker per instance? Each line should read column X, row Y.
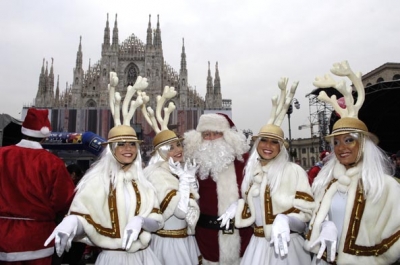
column 207, row 237
column 35, row 187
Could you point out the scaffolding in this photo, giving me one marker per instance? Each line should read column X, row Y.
column 320, row 115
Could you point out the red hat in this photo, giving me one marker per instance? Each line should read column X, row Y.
column 36, row 123
column 323, row 154
column 218, row 122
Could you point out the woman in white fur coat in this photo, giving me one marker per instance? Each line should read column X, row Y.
column 277, row 200
column 176, row 191
column 115, row 207
column 357, row 220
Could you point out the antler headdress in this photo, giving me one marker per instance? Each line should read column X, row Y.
column 348, row 121
column 123, row 131
column 278, row 111
column 156, row 121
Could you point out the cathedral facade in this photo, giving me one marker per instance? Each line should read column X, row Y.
column 83, row 106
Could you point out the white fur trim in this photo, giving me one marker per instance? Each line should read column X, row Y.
column 43, row 133
column 212, row 122
column 228, row 193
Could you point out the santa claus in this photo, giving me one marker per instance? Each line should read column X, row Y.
column 221, row 151
column 36, row 187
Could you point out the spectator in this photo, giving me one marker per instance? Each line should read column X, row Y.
column 36, row 188
column 313, row 171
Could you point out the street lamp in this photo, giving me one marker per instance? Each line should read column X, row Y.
column 289, row 111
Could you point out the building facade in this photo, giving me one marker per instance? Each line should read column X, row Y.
column 84, row 105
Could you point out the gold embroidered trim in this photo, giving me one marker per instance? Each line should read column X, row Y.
column 164, row 204
column 181, row 233
column 269, row 216
column 114, row 231
column 246, row 211
column 304, row 196
column 156, row 210
column 259, row 231
column 138, row 198
column 350, row 245
column 166, row 201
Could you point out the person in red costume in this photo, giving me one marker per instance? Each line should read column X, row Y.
column 313, row 171
column 221, row 152
column 36, row 187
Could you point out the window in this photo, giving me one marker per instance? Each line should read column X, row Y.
column 303, row 151
column 312, row 150
column 379, row 80
column 396, row 77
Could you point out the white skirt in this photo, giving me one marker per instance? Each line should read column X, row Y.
column 260, row 251
column 143, row 257
column 175, row 251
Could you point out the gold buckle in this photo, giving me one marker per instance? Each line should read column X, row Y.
column 230, row 230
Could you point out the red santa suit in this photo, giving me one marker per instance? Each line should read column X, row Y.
column 221, row 188
column 215, row 198
column 36, row 187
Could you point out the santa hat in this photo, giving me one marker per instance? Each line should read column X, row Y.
column 323, row 154
column 36, row 123
column 217, row 122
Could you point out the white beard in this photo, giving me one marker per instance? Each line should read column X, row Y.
column 213, row 157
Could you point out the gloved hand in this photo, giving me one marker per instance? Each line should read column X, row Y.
column 64, row 233
column 192, row 216
column 328, row 239
column 280, row 234
column 190, row 172
column 228, row 215
column 131, row 231
column 175, row 167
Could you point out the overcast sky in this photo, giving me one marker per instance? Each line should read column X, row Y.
column 255, row 43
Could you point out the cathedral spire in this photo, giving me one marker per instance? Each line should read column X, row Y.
column 209, row 81
column 106, row 42
column 79, row 55
column 217, row 81
column 43, row 67
column 115, row 33
column 183, row 55
column 57, row 98
column 157, row 40
column 149, row 40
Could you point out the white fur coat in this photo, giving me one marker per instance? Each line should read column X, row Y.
column 293, row 195
column 376, row 235
column 164, row 182
column 95, row 209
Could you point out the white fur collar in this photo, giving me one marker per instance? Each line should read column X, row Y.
column 29, row 144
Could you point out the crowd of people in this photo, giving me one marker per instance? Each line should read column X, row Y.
column 204, row 197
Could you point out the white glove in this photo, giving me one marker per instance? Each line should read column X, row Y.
column 190, row 169
column 280, row 234
column 175, row 167
column 328, row 239
column 64, row 233
column 228, row 215
column 184, row 190
column 131, row 231
column 192, row 216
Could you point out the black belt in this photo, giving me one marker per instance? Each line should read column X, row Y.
column 211, row 222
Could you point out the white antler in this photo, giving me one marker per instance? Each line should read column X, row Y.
column 342, row 69
column 128, row 106
column 168, row 93
column 281, row 105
